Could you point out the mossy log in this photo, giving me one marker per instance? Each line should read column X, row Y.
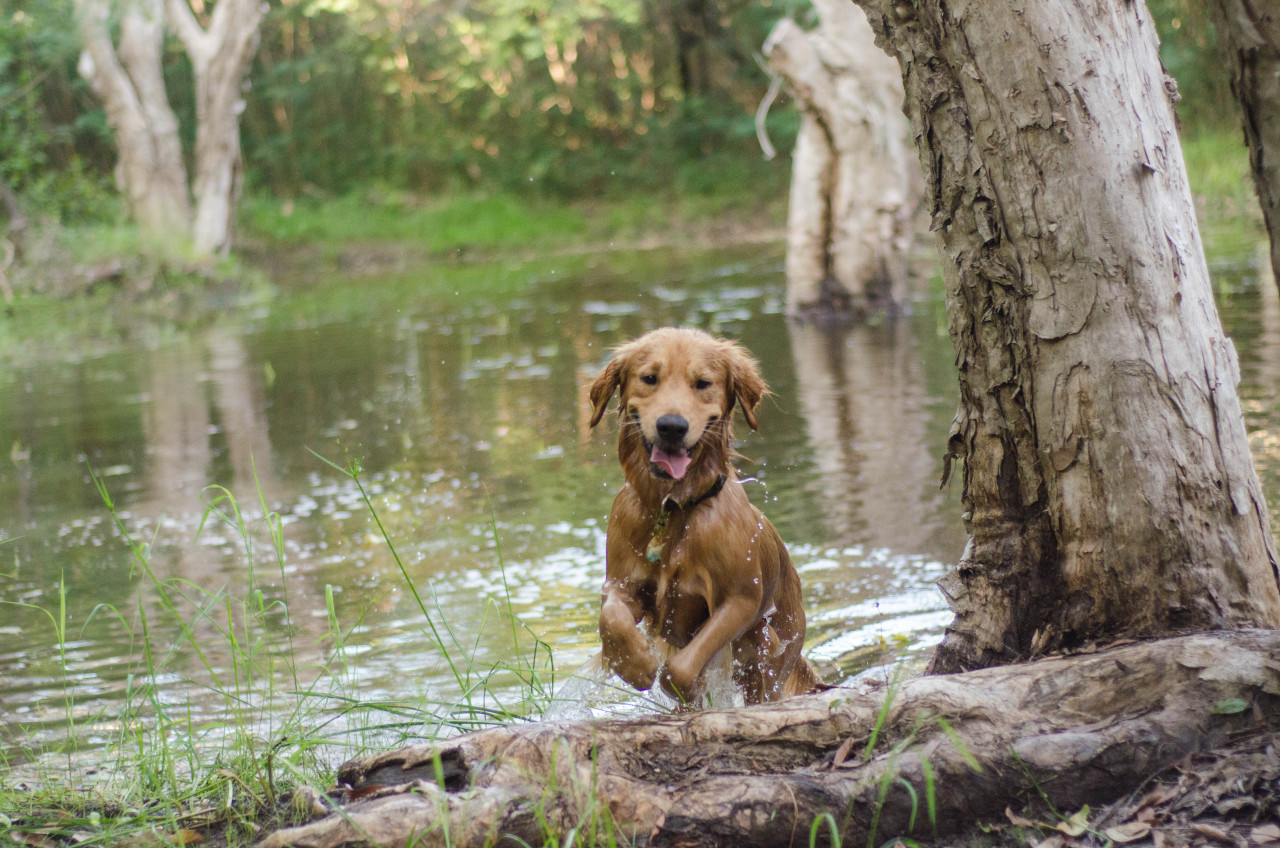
column 1079, row 729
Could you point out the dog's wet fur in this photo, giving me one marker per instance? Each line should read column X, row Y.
column 692, row 566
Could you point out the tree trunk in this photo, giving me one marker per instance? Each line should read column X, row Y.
column 854, row 184
column 1249, row 38
column 130, row 82
column 220, row 57
column 1107, row 486
column 689, row 19
column 1079, row 729
column 128, row 79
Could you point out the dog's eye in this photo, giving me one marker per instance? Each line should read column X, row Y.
column 649, row 379
column 702, row 384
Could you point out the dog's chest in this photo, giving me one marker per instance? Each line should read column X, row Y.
column 676, row 588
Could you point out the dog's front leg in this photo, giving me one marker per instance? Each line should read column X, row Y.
column 682, row 676
column 627, row 651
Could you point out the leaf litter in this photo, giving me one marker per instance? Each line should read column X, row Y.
column 1229, row 796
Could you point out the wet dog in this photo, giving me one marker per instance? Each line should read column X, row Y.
column 692, row 567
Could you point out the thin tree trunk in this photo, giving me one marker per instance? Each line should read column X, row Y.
column 855, row 185
column 129, row 80
column 1249, row 38
column 1077, row 729
column 220, row 57
column 1107, row 479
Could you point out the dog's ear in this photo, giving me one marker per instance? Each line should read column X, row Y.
column 746, row 386
column 604, row 386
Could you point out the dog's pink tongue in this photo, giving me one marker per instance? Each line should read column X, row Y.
column 674, row 464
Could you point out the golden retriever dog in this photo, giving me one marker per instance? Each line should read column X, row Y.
column 687, row 555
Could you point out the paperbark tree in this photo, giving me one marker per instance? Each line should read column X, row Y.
column 1107, row 483
column 1249, row 38
column 128, row 77
column 855, row 184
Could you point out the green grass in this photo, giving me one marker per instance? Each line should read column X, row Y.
column 283, row 722
column 1222, row 185
column 439, row 225
column 1218, row 168
column 504, row 224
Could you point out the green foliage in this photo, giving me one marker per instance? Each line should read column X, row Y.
column 1189, row 52
column 554, row 98
column 539, row 99
column 53, row 139
column 1222, row 185
column 549, row 98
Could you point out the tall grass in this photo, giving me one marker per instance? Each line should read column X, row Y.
column 282, row 720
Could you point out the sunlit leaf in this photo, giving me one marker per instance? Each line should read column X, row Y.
column 1077, row 824
column 1129, row 832
column 1265, row 834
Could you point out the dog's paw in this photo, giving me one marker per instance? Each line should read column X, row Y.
column 681, row 682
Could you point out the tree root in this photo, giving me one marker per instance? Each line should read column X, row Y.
column 924, row 757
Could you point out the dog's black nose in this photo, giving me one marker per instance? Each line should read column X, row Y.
column 672, row 429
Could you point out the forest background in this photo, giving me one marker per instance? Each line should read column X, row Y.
column 364, row 113
column 478, row 128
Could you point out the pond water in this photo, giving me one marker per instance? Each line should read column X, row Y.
column 460, row 391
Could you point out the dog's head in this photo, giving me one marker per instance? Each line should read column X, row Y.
column 677, row 390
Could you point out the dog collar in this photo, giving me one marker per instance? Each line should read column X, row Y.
column 669, row 505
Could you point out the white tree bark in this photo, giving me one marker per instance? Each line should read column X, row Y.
column 220, row 57
column 128, row 78
column 854, row 184
column 1107, row 480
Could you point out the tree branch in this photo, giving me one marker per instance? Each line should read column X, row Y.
column 199, row 44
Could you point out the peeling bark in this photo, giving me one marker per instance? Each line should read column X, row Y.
column 1249, row 38
column 1079, row 729
column 854, row 185
column 1107, row 480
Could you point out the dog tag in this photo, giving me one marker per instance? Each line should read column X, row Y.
column 653, row 552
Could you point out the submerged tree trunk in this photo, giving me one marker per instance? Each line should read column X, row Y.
column 1249, row 38
column 1079, row 729
column 854, row 183
column 220, row 57
column 1107, row 483
column 129, row 80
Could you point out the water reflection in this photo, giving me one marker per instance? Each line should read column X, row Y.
column 1250, row 307
column 865, row 407
column 461, row 391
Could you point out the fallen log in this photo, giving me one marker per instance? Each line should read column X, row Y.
column 864, row 762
